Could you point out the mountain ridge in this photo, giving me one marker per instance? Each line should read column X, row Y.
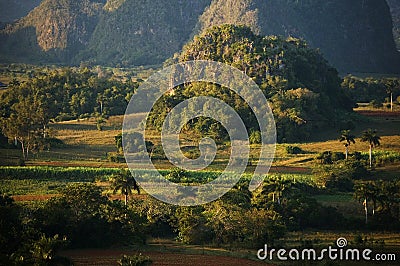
column 354, row 37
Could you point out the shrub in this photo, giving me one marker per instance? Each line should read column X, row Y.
column 135, row 260
column 294, row 150
column 340, row 183
column 158, row 152
column 255, row 137
column 337, row 156
column 115, row 157
column 64, row 117
column 133, row 142
column 325, row 157
column 55, row 143
column 376, row 104
column 328, row 157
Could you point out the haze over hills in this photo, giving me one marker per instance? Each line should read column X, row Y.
column 355, row 36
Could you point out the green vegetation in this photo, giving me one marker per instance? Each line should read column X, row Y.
column 78, row 174
column 62, row 118
column 136, row 260
column 375, row 91
column 317, row 23
column 296, row 80
column 354, row 36
column 124, row 182
column 29, row 106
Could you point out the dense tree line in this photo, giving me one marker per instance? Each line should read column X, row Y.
column 61, row 94
column 372, row 90
column 81, row 217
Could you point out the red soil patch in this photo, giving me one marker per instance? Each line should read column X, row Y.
column 110, row 257
column 290, row 170
column 379, row 113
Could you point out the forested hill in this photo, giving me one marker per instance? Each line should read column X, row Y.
column 355, row 36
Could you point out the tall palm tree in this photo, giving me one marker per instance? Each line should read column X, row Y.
column 348, row 139
column 124, row 182
column 278, row 186
column 366, row 192
column 373, row 139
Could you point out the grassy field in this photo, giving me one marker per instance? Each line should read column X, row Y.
column 87, row 147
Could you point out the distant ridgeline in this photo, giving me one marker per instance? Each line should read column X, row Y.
column 355, row 36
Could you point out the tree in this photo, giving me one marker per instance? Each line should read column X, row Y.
column 25, row 125
column 124, row 182
column 366, row 192
column 348, row 139
column 278, row 186
column 10, row 228
column 373, row 139
column 391, row 85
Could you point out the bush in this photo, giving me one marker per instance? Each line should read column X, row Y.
column 328, row 157
column 64, row 117
column 355, row 169
column 115, row 157
column 338, row 156
column 133, row 142
column 376, row 104
column 255, row 137
column 385, row 157
column 325, row 157
column 158, row 153
column 135, row 260
column 340, row 183
column 55, row 143
column 294, row 150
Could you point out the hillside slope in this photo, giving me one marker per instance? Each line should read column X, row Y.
column 142, row 32
column 355, row 36
column 53, row 32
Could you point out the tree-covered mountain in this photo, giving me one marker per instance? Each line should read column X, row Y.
column 355, row 36
column 141, row 32
column 302, row 88
column 53, row 32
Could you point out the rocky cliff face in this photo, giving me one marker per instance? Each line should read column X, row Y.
column 54, row 31
column 142, row 32
column 395, row 10
column 355, row 36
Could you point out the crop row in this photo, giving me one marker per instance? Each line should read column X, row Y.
column 77, row 174
column 86, row 174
